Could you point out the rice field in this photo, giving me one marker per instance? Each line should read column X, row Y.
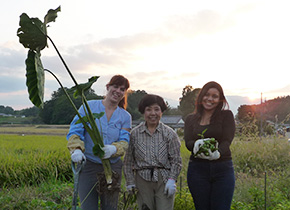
column 35, row 172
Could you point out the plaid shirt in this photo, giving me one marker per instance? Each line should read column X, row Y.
column 149, row 153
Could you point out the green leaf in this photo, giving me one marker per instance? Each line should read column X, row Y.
column 85, row 118
column 35, row 78
column 51, row 15
column 98, row 115
column 98, row 151
column 32, row 33
column 84, row 86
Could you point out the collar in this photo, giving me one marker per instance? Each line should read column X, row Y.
column 143, row 127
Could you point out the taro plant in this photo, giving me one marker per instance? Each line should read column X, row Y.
column 32, row 34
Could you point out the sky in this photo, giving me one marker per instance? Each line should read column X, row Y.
column 160, row 46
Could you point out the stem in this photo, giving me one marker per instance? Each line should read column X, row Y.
column 106, row 163
column 94, row 132
column 68, row 97
column 69, row 72
column 91, row 119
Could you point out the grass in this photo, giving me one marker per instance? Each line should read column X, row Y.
column 35, row 173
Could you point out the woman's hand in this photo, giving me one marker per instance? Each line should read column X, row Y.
column 170, row 187
column 109, row 151
column 197, row 145
column 77, row 156
column 212, row 155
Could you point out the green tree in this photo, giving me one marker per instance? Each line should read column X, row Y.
column 6, row 110
column 58, row 111
column 29, row 112
column 134, row 98
column 187, row 100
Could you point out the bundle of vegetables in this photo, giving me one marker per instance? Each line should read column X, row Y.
column 208, row 144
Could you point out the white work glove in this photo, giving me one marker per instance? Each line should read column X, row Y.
column 197, row 145
column 77, row 156
column 109, row 151
column 212, row 155
column 131, row 188
column 170, row 187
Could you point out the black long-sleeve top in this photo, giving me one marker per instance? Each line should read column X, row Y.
column 222, row 129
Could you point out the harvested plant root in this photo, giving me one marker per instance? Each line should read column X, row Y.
column 102, row 185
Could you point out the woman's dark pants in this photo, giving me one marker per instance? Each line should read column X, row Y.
column 89, row 196
column 211, row 184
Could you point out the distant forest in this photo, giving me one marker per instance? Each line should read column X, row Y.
column 276, row 110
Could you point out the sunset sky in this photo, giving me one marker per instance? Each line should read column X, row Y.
column 160, row 46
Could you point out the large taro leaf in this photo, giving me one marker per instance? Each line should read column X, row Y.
column 84, row 86
column 35, row 78
column 32, row 32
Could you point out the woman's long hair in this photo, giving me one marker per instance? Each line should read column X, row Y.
column 120, row 80
column 222, row 105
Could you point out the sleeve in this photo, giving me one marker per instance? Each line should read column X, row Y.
column 129, row 161
column 76, row 129
column 228, row 132
column 74, row 142
column 127, row 123
column 188, row 133
column 75, row 135
column 124, row 136
column 122, row 144
column 175, row 157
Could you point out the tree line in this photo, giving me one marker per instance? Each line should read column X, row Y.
column 58, row 111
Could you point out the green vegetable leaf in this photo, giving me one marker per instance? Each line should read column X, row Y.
column 32, row 33
column 98, row 115
column 84, row 86
column 98, row 151
column 51, row 15
column 35, row 78
column 95, row 115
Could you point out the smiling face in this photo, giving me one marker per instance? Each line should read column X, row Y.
column 115, row 93
column 211, row 99
column 152, row 115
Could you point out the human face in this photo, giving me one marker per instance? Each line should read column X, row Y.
column 116, row 93
column 211, row 99
column 152, row 115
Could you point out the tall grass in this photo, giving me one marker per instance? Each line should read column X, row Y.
column 30, row 160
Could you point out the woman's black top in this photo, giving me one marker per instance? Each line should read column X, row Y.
column 222, row 128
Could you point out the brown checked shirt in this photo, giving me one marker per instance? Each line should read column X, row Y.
column 149, row 154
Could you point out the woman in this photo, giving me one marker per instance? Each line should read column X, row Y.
column 115, row 128
column 153, row 162
column 210, row 178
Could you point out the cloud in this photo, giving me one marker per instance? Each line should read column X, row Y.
column 284, row 91
column 17, row 99
column 11, row 83
column 235, row 102
column 11, row 61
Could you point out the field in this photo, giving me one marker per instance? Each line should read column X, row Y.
column 35, row 172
